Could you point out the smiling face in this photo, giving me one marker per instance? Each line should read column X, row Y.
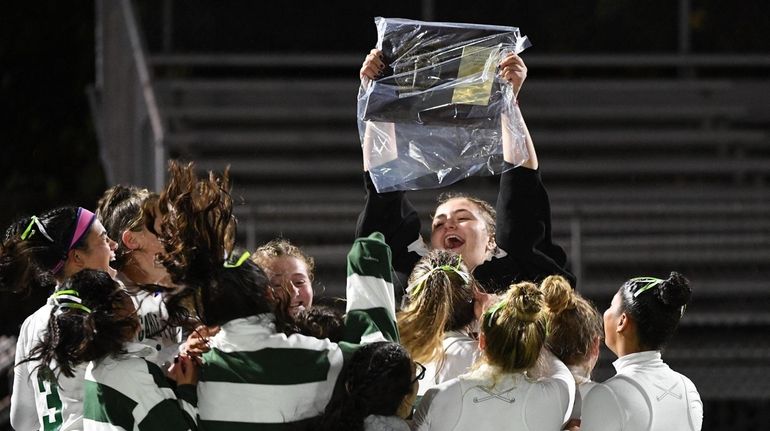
column 292, row 273
column 460, row 226
column 98, row 253
column 145, row 247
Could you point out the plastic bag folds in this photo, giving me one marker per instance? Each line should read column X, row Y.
column 440, row 112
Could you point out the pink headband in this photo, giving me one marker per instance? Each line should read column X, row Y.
column 85, row 219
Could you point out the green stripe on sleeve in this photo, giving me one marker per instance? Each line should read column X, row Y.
column 370, row 256
column 167, row 415
column 158, row 376
column 244, row 426
column 101, row 403
column 260, row 367
column 360, row 323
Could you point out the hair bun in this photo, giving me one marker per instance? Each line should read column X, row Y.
column 526, row 301
column 559, row 295
column 675, row 291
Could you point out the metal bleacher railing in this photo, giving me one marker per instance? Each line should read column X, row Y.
column 123, row 101
column 653, row 162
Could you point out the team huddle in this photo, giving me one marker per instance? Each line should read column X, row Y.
column 158, row 320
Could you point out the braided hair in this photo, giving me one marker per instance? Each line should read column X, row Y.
column 377, row 380
column 88, row 322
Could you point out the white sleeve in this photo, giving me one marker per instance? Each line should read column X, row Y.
column 695, row 404
column 23, row 401
column 558, row 382
column 440, row 407
column 601, row 410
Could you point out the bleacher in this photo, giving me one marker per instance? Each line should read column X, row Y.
column 646, row 175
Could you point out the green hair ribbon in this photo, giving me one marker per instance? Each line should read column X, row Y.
column 651, row 283
column 28, row 232
column 239, row 262
column 69, row 295
column 419, row 284
column 491, row 311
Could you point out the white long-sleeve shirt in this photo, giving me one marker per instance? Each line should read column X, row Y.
column 644, row 395
column 460, row 352
column 486, row 400
column 36, row 401
column 153, row 315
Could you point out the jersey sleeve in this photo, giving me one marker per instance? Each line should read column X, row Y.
column 439, row 408
column 601, row 410
column 371, row 313
column 23, row 410
column 557, row 384
column 695, row 404
column 396, row 218
column 138, row 397
column 524, row 225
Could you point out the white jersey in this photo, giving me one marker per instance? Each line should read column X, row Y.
column 644, row 395
column 460, row 352
column 153, row 315
column 486, row 400
column 36, row 402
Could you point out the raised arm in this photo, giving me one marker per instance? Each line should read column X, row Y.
column 371, row 312
column 389, row 213
column 523, row 207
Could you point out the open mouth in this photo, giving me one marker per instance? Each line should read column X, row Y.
column 452, row 242
column 296, row 308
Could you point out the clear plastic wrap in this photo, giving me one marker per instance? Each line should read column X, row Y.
column 440, row 112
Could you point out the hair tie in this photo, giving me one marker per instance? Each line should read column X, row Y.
column 651, row 282
column 491, row 311
column 419, row 284
column 240, row 261
column 69, row 295
column 28, row 232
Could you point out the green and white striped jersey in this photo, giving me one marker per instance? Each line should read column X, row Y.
column 127, row 392
column 255, row 378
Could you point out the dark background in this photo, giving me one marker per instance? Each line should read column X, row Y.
column 51, row 155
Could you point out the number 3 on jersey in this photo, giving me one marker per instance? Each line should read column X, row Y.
column 50, row 402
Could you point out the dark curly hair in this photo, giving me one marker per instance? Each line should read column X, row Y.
column 656, row 306
column 376, row 380
column 77, row 335
column 26, row 264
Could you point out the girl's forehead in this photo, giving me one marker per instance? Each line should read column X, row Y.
column 456, row 204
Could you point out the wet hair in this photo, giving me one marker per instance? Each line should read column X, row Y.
column 77, row 335
column 280, row 247
column 514, row 329
column 442, row 302
column 122, row 208
column 26, row 265
column 377, row 379
column 573, row 321
column 656, row 306
column 321, row 321
column 197, row 232
column 487, row 210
